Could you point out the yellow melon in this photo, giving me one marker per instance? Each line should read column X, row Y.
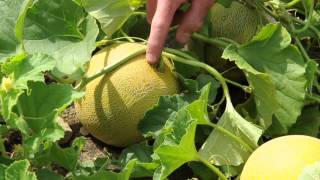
column 283, row 158
column 115, row 103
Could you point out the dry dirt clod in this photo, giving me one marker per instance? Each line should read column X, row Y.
column 67, row 131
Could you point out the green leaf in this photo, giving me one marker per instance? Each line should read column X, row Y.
column 8, row 101
column 19, row 170
column 214, row 149
column 25, row 68
column 123, row 175
column 157, row 116
column 203, row 80
column 276, row 72
column 311, row 172
column 312, row 67
column 67, row 157
column 67, row 36
column 142, row 152
column 308, row 123
column 202, row 171
column 9, row 43
column 21, row 19
column 41, row 107
column 2, row 171
column 111, row 14
column 22, row 69
column 45, row 174
column 175, row 145
column 166, row 108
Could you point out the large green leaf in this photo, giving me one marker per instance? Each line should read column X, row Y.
column 41, row 107
column 19, row 170
column 221, row 149
column 62, row 30
column 167, row 107
column 308, row 123
column 276, row 72
column 24, row 68
column 2, row 171
column 9, row 43
column 20, row 70
column 157, row 117
column 144, row 167
column 111, row 14
column 65, row 157
column 123, row 175
column 45, row 174
column 175, row 145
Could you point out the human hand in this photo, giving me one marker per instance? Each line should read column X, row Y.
column 161, row 14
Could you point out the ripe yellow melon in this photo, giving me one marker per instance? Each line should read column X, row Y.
column 115, row 103
column 238, row 23
column 283, row 158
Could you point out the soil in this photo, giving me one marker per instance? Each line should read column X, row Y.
column 93, row 148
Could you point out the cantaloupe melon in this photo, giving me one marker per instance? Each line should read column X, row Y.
column 115, row 103
column 237, row 22
column 283, row 158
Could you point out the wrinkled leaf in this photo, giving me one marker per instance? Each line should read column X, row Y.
column 19, row 170
column 111, row 14
column 166, row 108
column 142, row 152
column 221, row 149
column 123, row 175
column 44, row 174
column 66, row 35
column 308, row 123
column 67, row 157
column 276, row 72
column 9, row 43
column 41, row 107
column 175, row 145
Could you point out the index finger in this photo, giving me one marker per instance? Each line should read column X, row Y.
column 159, row 28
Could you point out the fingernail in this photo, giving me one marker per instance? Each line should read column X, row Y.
column 151, row 58
column 184, row 38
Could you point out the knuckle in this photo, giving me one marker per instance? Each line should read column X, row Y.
column 195, row 26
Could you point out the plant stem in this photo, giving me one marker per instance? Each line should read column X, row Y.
column 139, row 13
column 180, row 53
column 208, row 68
column 103, row 42
column 246, row 89
column 105, row 70
column 303, row 51
column 292, row 3
column 232, row 136
column 314, row 98
column 107, row 41
column 213, row 168
column 125, row 35
column 213, row 41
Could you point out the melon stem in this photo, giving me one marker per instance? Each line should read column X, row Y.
column 109, row 69
column 213, row 168
column 213, row 41
column 232, row 136
column 204, row 66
